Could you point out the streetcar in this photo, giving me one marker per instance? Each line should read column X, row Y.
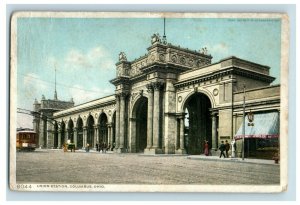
column 26, row 140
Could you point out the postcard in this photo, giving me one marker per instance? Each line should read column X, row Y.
column 149, row 102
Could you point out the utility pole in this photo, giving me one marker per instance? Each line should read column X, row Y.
column 243, row 140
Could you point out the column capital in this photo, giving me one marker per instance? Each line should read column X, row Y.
column 124, row 94
column 109, row 124
column 157, row 85
column 84, row 127
column 149, row 88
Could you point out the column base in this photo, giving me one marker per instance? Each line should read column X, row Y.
column 180, row 151
column 120, row 150
column 153, row 151
column 215, row 152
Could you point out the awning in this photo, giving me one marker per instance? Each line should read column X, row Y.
column 266, row 126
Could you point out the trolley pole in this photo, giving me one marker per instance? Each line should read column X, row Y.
column 243, row 140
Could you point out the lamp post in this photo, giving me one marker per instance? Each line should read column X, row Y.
column 250, row 116
column 243, row 140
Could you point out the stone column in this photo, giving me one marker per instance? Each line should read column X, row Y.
column 117, row 134
column 156, row 117
column 150, row 117
column 122, row 122
column 95, row 135
column 182, row 133
column 84, row 136
column 75, row 136
column 109, row 137
column 59, row 139
column 214, row 132
column 181, row 149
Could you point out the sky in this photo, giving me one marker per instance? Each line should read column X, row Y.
column 84, row 51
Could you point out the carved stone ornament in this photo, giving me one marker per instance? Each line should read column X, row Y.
column 155, row 38
column 152, row 58
column 174, row 58
column 122, row 57
column 179, row 99
column 215, row 92
column 162, row 57
column 191, row 62
column 182, row 60
column 109, row 112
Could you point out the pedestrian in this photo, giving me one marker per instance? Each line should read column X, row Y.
column 222, row 149
column 87, row 148
column 104, row 147
column 113, row 146
column 206, row 148
column 97, row 146
column 227, row 147
column 108, row 147
column 100, row 146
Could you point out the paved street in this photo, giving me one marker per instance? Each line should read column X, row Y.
column 55, row 166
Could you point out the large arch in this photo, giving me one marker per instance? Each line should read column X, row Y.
column 103, row 134
column 79, row 127
column 204, row 92
column 198, row 123
column 71, row 131
column 90, row 131
column 139, row 125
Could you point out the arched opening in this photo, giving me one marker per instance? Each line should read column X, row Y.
column 70, row 131
column 79, row 133
column 90, row 131
column 198, row 124
column 139, row 125
column 55, row 143
column 103, row 137
column 63, row 132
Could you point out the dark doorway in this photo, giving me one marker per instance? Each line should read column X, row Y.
column 103, row 128
column 79, row 133
column 141, row 124
column 198, row 124
column 63, row 133
column 70, row 131
column 90, row 131
column 55, row 143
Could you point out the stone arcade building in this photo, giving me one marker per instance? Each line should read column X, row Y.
column 169, row 101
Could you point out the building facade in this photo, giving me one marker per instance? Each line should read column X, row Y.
column 170, row 101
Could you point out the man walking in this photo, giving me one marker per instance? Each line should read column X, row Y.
column 222, row 149
column 227, row 147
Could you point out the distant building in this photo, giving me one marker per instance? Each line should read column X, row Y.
column 43, row 122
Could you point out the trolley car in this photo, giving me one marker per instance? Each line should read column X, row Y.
column 26, row 140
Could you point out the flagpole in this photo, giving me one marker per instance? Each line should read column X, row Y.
column 243, row 140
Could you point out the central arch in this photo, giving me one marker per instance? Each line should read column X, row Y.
column 139, row 125
column 198, row 123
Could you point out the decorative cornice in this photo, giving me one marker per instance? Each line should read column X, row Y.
column 229, row 71
column 120, row 80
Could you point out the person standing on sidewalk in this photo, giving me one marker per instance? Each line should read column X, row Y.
column 222, row 149
column 227, row 147
column 206, row 148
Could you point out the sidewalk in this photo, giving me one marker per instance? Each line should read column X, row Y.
column 237, row 160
